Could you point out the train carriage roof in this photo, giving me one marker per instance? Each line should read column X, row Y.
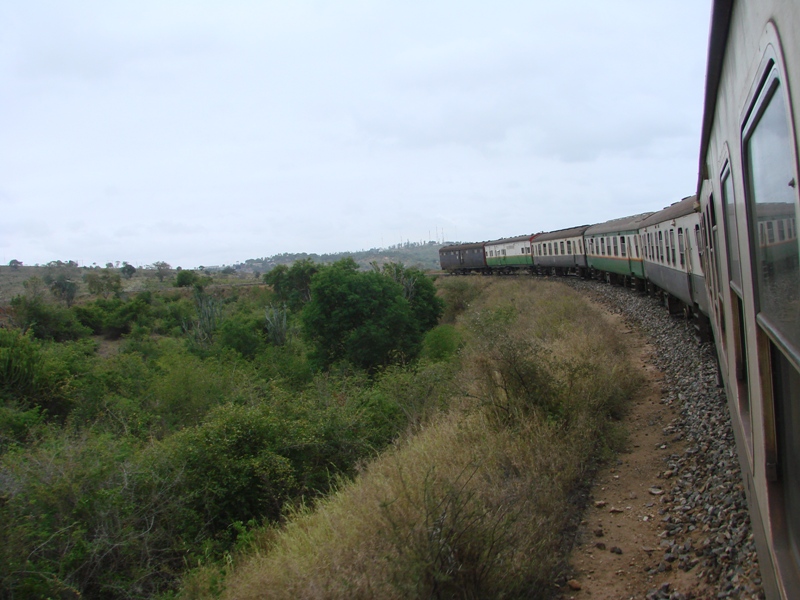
column 618, row 225
column 519, row 238
column 562, row 233
column 469, row 246
column 679, row 209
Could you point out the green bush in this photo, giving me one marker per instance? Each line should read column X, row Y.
column 361, row 318
column 73, row 524
column 242, row 333
column 441, row 343
column 47, row 321
column 186, row 278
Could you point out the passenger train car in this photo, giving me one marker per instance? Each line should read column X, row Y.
column 728, row 255
column 747, row 187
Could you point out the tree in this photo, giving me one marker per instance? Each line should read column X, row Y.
column 127, row 270
column 292, row 285
column 186, row 278
column 418, row 289
column 64, row 288
column 14, row 264
column 106, row 283
column 162, row 269
column 362, row 318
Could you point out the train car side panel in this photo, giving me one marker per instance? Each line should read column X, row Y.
column 749, row 200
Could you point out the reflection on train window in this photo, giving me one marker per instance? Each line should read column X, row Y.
column 771, row 187
column 786, row 382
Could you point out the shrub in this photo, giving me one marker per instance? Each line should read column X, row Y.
column 47, row 321
column 441, row 342
column 186, row 278
column 242, row 333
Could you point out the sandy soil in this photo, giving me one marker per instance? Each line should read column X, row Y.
column 619, row 538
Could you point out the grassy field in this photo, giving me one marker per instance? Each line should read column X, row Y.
column 478, row 498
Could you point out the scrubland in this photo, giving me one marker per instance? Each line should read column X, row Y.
column 477, row 496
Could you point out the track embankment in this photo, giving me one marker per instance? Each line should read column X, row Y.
column 669, row 519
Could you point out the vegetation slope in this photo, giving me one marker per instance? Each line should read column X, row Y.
column 476, row 498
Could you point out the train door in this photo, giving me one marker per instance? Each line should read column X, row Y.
column 770, row 168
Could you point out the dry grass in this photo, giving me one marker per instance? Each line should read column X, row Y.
column 475, row 504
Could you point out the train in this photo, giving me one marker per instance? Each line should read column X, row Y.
column 726, row 256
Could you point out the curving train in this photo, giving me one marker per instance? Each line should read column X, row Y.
column 728, row 255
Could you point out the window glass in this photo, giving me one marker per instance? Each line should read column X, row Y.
column 603, row 246
column 786, row 384
column 661, row 246
column 772, row 196
column 672, row 244
column 681, row 246
column 622, row 245
column 731, row 229
column 616, row 246
column 569, row 247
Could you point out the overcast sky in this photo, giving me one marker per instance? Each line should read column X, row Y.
column 207, row 133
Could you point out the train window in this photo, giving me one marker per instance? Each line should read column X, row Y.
column 666, row 243
column 781, row 231
column 731, row 230
column 697, row 240
column 672, row 243
column 603, row 246
column 661, row 246
column 622, row 245
column 786, row 382
column 681, row 248
column 569, row 247
column 616, row 246
column 771, row 188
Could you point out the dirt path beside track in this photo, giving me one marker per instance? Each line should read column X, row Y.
column 619, row 542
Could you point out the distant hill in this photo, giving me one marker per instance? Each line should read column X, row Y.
column 412, row 254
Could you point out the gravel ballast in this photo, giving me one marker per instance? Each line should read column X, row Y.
column 703, row 512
